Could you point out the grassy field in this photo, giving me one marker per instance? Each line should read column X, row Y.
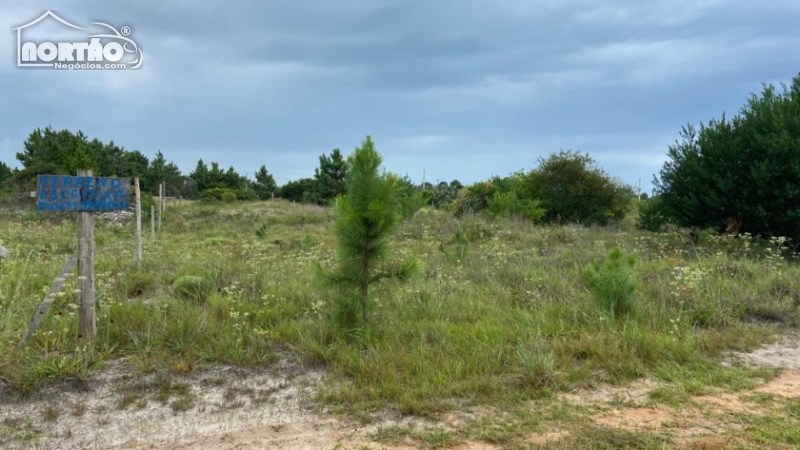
column 501, row 316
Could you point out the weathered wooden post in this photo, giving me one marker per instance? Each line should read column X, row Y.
column 160, row 203
column 87, row 326
column 139, row 250
column 83, row 194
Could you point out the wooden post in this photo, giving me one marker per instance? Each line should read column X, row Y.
column 152, row 221
column 160, row 203
column 87, row 327
column 48, row 299
column 139, row 251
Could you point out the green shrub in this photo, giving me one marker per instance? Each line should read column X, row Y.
column 261, row 232
column 509, row 204
column 229, row 196
column 652, row 215
column 245, row 194
column 613, row 283
column 137, row 284
column 572, row 188
column 456, row 247
column 191, row 287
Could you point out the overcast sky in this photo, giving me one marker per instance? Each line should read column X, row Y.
column 463, row 89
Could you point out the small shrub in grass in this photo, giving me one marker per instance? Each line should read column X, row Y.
column 456, row 247
column 537, row 366
column 613, row 283
column 261, row 232
column 136, row 284
column 191, row 287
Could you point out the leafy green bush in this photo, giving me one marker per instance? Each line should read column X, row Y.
column 245, row 194
column 572, row 188
column 613, row 283
column 474, row 198
column 508, row 204
column 653, row 215
column 229, row 196
column 499, row 197
column 194, row 288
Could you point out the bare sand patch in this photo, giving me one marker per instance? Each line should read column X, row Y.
column 636, row 418
column 786, row 384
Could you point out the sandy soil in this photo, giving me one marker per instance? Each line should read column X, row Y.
column 238, row 409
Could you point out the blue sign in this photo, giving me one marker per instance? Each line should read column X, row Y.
column 71, row 193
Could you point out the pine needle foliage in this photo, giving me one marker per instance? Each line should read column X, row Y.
column 613, row 283
column 366, row 220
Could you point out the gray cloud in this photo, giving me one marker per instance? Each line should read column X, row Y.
column 463, row 89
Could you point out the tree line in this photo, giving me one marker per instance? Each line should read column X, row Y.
column 47, row 151
column 737, row 175
column 567, row 187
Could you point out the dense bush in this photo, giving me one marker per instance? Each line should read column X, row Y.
column 572, row 188
column 745, row 169
column 508, row 204
column 298, row 190
column 499, row 197
column 653, row 215
column 228, row 195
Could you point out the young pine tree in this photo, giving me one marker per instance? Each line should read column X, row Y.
column 366, row 219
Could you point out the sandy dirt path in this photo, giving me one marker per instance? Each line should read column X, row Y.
column 229, row 409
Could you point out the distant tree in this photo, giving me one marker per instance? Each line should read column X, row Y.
column 330, row 177
column 162, row 171
column 301, row 190
column 265, row 184
column 572, row 188
column 233, row 180
column 745, row 169
column 366, row 220
column 216, row 177
column 5, row 173
column 134, row 164
column 201, row 176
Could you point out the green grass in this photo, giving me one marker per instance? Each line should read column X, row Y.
column 510, row 319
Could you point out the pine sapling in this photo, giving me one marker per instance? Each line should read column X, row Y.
column 366, row 218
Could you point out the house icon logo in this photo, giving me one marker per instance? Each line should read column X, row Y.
column 99, row 51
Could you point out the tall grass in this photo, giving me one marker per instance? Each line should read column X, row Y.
column 509, row 319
